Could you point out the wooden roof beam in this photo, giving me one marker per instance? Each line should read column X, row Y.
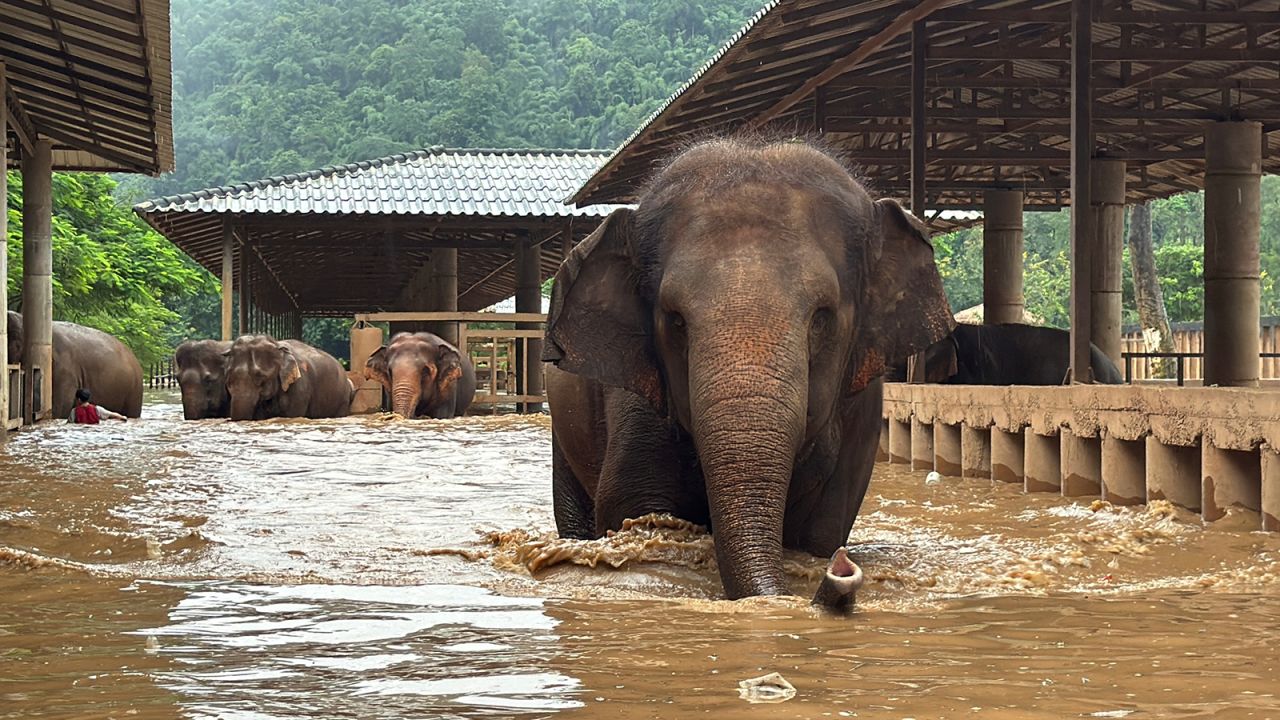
column 17, row 118
column 900, row 25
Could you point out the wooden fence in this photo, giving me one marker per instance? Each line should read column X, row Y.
column 1188, row 338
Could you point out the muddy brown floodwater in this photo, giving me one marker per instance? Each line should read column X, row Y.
column 374, row 568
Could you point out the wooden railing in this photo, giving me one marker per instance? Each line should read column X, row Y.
column 1181, row 360
column 501, row 379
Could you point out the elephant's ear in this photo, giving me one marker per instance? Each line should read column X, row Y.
column 448, row 368
column 904, row 309
column 290, row 370
column 599, row 326
column 375, row 368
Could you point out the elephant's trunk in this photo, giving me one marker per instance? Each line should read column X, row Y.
column 243, row 407
column 748, row 417
column 405, row 394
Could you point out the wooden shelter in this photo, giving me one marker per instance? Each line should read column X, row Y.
column 1008, row 105
column 84, row 85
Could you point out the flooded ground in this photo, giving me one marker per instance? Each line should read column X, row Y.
column 372, row 568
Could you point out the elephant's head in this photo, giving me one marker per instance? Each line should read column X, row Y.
column 416, row 369
column 753, row 288
column 201, row 367
column 13, row 327
column 259, row 371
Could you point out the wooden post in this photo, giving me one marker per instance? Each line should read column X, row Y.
column 228, row 270
column 37, row 278
column 529, row 300
column 244, row 284
column 4, row 256
column 918, row 136
column 1081, row 179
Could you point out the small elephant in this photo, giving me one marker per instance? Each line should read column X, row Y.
column 1007, row 354
column 718, row 353
column 269, row 378
column 201, row 367
column 84, row 357
column 424, row 375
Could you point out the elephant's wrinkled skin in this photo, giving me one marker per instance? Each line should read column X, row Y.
column 1006, row 354
column 201, row 368
column 718, row 353
column 86, row 358
column 269, row 378
column 425, row 376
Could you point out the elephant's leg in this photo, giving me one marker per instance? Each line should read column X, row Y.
column 644, row 470
column 574, row 510
column 828, row 486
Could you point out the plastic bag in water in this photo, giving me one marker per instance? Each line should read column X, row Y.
column 771, row 688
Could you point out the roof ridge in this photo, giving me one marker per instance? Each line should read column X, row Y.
column 356, row 166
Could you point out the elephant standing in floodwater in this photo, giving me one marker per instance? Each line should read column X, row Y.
column 269, row 378
column 1006, row 354
column 425, row 376
column 84, row 357
column 718, row 353
column 201, row 367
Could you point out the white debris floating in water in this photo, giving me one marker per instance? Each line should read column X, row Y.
column 771, row 688
column 933, row 478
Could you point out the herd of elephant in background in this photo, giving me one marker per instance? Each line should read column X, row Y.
column 717, row 352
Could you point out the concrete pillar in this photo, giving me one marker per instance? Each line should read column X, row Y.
column 899, row 441
column 921, row 445
column 975, row 452
column 37, row 277
column 529, row 300
column 1081, row 465
column 1108, row 254
column 1042, row 463
column 1173, row 474
column 1270, row 488
column 228, row 285
column 4, row 256
column 1002, row 298
column 444, row 290
column 1124, row 471
column 947, row 453
column 1232, row 225
column 1008, row 453
column 882, row 451
column 1229, row 477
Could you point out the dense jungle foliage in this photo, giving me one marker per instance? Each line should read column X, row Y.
column 263, row 88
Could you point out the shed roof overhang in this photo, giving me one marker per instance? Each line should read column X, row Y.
column 93, row 78
column 997, row 93
column 355, row 238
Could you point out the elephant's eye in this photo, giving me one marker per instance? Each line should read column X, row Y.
column 820, row 329
column 676, row 320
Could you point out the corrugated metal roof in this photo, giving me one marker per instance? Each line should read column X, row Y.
column 435, row 181
column 93, row 77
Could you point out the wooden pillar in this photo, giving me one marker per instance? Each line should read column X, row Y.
column 1108, row 256
column 228, row 271
column 4, row 255
column 919, row 42
column 529, row 300
column 244, row 287
column 1081, row 184
column 37, row 278
column 444, row 290
column 1232, row 225
column 1002, row 298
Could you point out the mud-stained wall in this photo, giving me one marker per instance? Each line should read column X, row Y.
column 1207, row 449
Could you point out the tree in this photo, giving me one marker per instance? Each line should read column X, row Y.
column 1152, row 317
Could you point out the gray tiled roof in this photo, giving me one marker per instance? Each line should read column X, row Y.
column 435, row 181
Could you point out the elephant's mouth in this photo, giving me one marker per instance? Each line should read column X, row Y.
column 841, row 582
